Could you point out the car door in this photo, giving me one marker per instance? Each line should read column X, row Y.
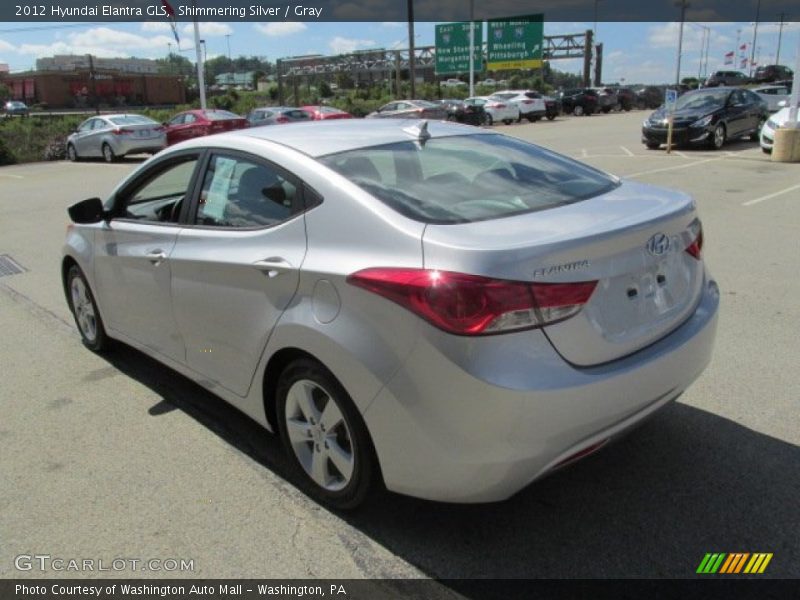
column 737, row 114
column 174, row 128
column 236, row 266
column 82, row 138
column 133, row 254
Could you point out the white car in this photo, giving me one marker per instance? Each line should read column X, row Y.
column 453, row 83
column 531, row 104
column 496, row 109
column 772, row 95
column 776, row 121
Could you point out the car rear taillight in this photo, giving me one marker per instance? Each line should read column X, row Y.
column 696, row 247
column 282, row 120
column 122, row 131
column 160, row 128
column 473, row 305
column 496, row 105
column 527, row 102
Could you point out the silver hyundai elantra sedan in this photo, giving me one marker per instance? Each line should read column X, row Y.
column 438, row 308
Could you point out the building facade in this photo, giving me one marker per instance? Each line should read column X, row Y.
column 81, row 62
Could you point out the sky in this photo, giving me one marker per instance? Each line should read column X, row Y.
column 633, row 52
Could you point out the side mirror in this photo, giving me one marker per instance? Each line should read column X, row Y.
column 87, row 211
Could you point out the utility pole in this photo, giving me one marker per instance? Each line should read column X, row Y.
column 472, row 47
column 683, row 4
column 780, row 34
column 411, row 66
column 93, row 79
column 755, row 35
column 228, row 40
column 201, row 80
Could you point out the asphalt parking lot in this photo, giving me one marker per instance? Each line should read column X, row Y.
column 117, row 456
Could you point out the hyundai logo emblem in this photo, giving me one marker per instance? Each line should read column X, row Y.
column 658, row 244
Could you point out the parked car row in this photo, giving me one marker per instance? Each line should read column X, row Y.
column 112, row 137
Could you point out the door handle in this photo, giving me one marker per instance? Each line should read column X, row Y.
column 273, row 266
column 156, row 256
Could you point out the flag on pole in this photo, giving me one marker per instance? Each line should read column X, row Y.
column 729, row 58
column 743, row 47
column 172, row 23
column 743, row 64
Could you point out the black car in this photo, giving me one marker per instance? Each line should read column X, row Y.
column 727, row 78
column 626, row 98
column 771, row 73
column 649, row 97
column 709, row 117
column 580, row 101
column 460, row 112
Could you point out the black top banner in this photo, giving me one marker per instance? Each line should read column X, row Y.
column 391, row 10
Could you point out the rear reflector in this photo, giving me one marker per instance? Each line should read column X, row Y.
column 473, row 305
column 582, row 454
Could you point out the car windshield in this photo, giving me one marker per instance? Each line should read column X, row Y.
column 462, row 179
column 702, row 99
column 132, row 120
column 220, row 115
column 425, row 104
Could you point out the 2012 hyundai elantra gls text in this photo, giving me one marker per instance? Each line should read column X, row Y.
column 438, row 308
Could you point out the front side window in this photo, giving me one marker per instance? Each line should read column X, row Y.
column 461, row 179
column 160, row 196
column 241, row 193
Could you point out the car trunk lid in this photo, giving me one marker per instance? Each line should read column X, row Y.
column 632, row 241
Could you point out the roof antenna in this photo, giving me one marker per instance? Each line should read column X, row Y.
column 419, row 131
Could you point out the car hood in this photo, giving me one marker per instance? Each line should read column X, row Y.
column 781, row 117
column 689, row 115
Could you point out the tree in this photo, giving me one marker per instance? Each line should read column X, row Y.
column 5, row 93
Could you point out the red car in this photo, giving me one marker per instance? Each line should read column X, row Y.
column 197, row 123
column 323, row 113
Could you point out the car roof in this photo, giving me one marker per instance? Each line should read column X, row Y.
column 319, row 138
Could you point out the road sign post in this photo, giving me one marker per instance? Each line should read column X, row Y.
column 515, row 43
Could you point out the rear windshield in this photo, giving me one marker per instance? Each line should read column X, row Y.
column 220, row 115
column 461, row 179
column 132, row 120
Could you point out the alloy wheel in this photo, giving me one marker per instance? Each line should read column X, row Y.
column 84, row 309
column 319, row 435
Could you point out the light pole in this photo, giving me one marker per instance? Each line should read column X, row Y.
column 683, row 4
column 412, row 75
column 228, row 40
column 755, row 35
column 780, row 34
column 703, row 48
column 594, row 29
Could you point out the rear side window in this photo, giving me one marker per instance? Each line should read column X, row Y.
column 461, row 179
column 242, row 193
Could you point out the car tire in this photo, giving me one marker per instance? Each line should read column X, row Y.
column 72, row 154
column 757, row 133
column 508, row 121
column 108, row 153
column 551, row 116
column 766, row 150
column 324, row 435
column 606, row 110
column 652, row 145
column 577, row 110
column 717, row 139
column 488, row 120
column 84, row 310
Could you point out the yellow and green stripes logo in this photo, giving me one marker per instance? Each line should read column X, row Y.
column 734, row 563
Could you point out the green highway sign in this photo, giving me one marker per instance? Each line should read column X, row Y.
column 515, row 43
column 452, row 48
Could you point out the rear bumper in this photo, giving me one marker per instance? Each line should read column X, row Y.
column 477, row 420
column 134, row 146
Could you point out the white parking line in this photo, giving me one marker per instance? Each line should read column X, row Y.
column 584, row 154
column 773, row 195
column 626, row 151
column 11, row 176
column 672, row 168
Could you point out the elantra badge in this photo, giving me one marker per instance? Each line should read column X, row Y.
column 658, row 245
